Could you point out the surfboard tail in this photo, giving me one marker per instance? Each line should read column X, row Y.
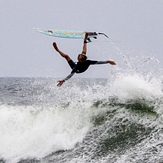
column 95, row 34
column 103, row 34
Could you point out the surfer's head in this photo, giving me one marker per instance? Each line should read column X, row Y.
column 82, row 57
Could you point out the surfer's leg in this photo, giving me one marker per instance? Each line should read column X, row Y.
column 84, row 51
column 72, row 64
column 60, row 52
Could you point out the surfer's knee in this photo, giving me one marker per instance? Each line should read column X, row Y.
column 67, row 57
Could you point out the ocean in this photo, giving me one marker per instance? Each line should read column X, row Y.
column 115, row 120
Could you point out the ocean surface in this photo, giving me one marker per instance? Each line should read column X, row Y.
column 115, row 120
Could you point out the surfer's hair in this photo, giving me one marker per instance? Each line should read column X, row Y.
column 82, row 57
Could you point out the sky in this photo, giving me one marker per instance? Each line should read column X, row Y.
column 134, row 27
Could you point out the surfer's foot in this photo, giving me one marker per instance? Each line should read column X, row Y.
column 55, row 46
column 86, row 36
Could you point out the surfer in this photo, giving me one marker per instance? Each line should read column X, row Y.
column 82, row 64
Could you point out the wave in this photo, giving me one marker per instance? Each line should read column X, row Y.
column 86, row 120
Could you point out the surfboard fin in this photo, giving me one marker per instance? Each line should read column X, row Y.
column 88, row 40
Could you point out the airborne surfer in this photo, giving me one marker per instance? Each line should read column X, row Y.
column 82, row 64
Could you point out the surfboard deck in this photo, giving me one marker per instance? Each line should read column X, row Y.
column 69, row 34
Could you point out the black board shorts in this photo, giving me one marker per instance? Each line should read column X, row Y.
column 72, row 64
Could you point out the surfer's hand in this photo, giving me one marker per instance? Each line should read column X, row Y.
column 112, row 62
column 60, row 82
column 55, row 46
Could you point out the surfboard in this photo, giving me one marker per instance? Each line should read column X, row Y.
column 70, row 34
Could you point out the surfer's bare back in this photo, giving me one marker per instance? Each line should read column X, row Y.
column 82, row 64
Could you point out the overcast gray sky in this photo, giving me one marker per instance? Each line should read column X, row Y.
column 138, row 24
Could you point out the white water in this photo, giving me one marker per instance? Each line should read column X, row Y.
column 27, row 132
column 36, row 131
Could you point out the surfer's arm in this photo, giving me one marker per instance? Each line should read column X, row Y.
column 60, row 82
column 105, row 62
column 69, row 76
